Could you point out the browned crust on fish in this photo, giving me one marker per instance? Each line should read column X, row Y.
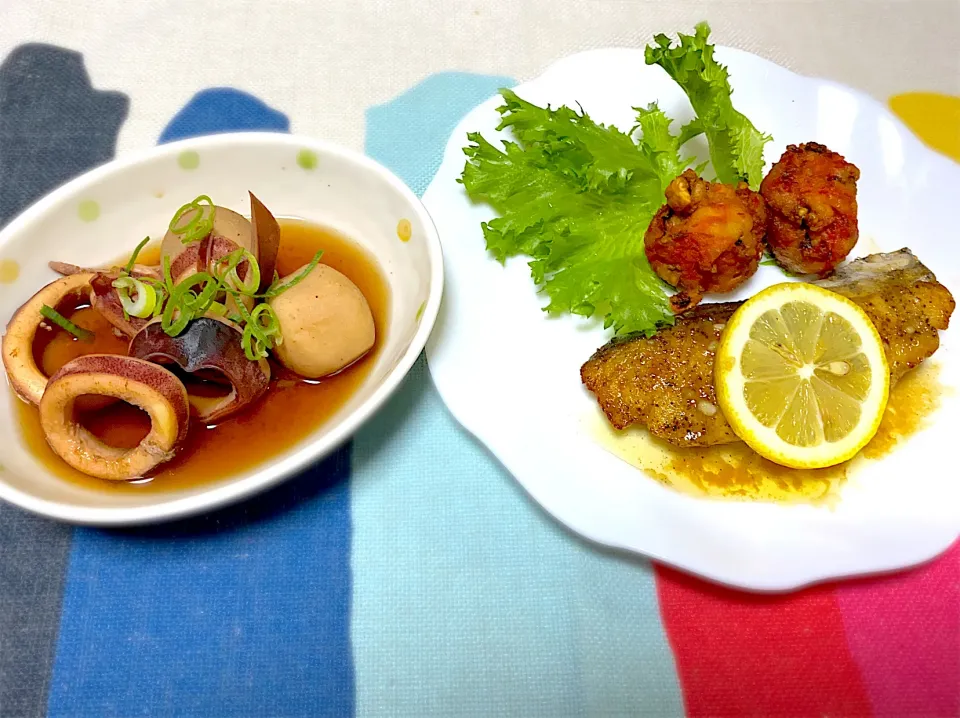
column 665, row 382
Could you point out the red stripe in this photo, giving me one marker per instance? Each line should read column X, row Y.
column 740, row 654
column 904, row 632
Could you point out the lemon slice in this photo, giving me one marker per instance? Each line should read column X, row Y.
column 801, row 376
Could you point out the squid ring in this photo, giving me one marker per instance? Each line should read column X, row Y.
column 155, row 390
column 25, row 376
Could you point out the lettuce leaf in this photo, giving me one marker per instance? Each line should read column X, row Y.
column 736, row 146
column 577, row 197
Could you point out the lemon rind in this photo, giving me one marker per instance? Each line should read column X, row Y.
column 730, row 382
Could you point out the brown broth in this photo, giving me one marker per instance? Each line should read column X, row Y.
column 248, row 439
column 736, row 471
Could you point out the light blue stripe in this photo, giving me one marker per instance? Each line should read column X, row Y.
column 468, row 600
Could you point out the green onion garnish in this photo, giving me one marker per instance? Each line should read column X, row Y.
column 275, row 289
column 226, row 267
column 249, row 285
column 167, row 277
column 197, row 226
column 160, row 289
column 84, row 335
column 133, row 257
column 161, row 298
column 205, row 292
column 145, row 301
column 217, row 309
column 185, row 304
column 261, row 332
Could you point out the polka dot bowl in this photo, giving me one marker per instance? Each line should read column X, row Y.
column 101, row 215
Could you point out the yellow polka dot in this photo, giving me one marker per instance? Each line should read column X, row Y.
column 188, row 160
column 88, row 210
column 404, row 230
column 9, row 271
column 307, row 159
column 935, row 119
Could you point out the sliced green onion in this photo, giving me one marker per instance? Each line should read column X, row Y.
column 226, row 268
column 251, row 284
column 84, row 335
column 203, row 292
column 217, row 309
column 225, row 265
column 146, row 297
column 260, row 336
column 133, row 257
column 160, row 289
column 274, row 289
column 207, row 296
column 167, row 277
column 161, row 298
column 173, row 320
column 185, row 304
column 153, row 282
column 199, row 225
column 253, row 348
column 254, row 342
column 270, row 327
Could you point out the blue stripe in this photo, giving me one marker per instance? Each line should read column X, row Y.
column 241, row 613
column 222, row 109
column 53, row 126
column 469, row 601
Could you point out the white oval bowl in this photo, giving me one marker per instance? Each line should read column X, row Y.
column 136, row 196
column 511, row 376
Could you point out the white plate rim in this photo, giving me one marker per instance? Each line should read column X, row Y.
column 513, row 462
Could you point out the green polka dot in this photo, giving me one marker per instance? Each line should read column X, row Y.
column 188, row 160
column 88, row 210
column 307, row 159
column 423, row 305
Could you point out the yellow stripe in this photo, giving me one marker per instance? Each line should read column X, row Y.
column 935, row 119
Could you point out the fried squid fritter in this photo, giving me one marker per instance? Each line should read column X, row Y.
column 811, row 195
column 708, row 237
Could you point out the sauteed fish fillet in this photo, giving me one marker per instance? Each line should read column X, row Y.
column 665, row 382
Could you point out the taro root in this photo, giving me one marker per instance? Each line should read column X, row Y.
column 210, row 350
column 325, row 322
column 25, row 377
column 143, row 384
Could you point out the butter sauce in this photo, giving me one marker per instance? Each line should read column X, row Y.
column 734, row 471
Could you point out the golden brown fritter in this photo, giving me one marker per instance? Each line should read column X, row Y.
column 665, row 382
column 708, row 237
column 811, row 195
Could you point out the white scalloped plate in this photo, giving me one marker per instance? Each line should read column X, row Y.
column 510, row 375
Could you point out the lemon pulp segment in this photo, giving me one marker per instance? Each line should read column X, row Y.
column 801, row 376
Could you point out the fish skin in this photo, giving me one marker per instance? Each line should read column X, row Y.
column 665, row 382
